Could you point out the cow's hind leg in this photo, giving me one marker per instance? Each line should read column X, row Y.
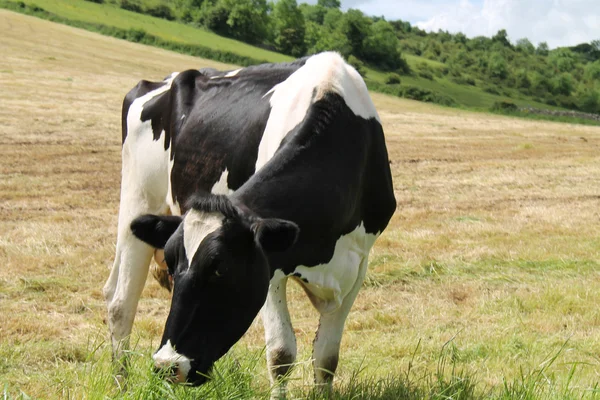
column 279, row 335
column 140, row 194
column 124, row 286
column 326, row 346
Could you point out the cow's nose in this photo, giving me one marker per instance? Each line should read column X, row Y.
column 171, row 372
column 173, row 366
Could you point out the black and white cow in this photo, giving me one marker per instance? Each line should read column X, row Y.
column 269, row 172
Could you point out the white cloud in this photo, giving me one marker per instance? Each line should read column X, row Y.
column 558, row 22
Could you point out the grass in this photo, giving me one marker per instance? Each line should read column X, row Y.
column 239, row 375
column 485, row 284
column 111, row 20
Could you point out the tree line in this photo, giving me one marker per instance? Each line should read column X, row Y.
column 568, row 77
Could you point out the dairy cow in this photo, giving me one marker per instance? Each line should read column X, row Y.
column 246, row 179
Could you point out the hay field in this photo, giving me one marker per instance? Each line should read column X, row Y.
column 491, row 258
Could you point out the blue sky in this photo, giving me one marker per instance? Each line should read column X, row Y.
column 557, row 22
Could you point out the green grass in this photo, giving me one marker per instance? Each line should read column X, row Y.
column 241, row 375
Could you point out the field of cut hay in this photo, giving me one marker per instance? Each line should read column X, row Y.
column 487, row 277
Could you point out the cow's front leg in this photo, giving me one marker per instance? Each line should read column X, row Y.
column 326, row 346
column 279, row 335
column 124, row 288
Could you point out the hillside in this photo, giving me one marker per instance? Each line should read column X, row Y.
column 434, row 75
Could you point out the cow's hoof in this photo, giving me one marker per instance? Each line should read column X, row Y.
column 162, row 276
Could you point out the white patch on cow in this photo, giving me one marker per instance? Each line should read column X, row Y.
column 167, row 356
column 144, row 187
column 232, row 73
column 220, row 187
column 329, row 283
column 292, row 98
column 145, row 159
column 196, row 226
column 173, row 204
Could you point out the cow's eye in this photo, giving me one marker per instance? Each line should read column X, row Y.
column 213, row 267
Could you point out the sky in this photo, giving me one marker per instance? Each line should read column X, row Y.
column 557, row 22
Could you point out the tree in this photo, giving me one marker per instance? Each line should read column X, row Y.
column 592, row 71
column 356, row 27
column 460, row 38
column 332, row 19
column 542, row 49
column 246, row 20
column 589, row 101
column 479, row 43
column 502, row 38
column 522, row 79
column 321, row 38
column 381, row 46
column 540, row 84
column 329, row 3
column 289, row 28
column 497, row 67
column 562, row 59
column 563, row 84
column 187, row 10
column 525, row 46
column 314, row 13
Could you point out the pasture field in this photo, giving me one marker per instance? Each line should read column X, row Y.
column 485, row 284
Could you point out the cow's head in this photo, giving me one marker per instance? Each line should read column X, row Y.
column 217, row 257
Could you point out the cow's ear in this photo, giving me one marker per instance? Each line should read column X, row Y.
column 155, row 229
column 275, row 235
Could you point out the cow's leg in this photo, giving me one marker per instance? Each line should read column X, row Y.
column 141, row 193
column 279, row 334
column 326, row 346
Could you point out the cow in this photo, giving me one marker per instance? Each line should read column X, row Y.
column 245, row 179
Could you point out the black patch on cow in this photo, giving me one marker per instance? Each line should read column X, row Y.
column 281, row 362
column 224, row 123
column 330, row 173
column 327, row 369
column 299, row 276
column 155, row 230
column 211, row 203
column 143, row 87
column 274, row 234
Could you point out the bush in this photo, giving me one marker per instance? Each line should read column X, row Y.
column 392, row 79
column 416, row 93
column 426, row 75
column 490, row 89
column 358, row 65
column 136, row 35
column 464, row 80
column 159, row 11
column 504, row 106
column 589, row 101
column 130, row 5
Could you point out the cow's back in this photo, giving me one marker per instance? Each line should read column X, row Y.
column 200, row 129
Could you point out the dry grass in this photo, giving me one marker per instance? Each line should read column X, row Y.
column 494, row 245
